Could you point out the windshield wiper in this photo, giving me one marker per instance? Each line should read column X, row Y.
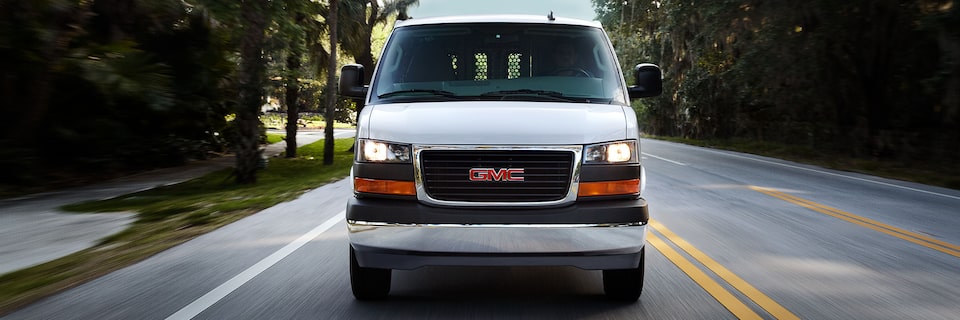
column 553, row 94
column 435, row 92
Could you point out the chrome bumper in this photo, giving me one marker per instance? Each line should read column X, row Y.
column 410, row 246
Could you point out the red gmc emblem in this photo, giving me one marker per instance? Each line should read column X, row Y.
column 491, row 174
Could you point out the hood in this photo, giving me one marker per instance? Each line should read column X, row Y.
column 495, row 123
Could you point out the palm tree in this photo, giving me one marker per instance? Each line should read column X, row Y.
column 359, row 23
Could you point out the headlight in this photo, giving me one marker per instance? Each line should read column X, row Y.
column 612, row 152
column 379, row 151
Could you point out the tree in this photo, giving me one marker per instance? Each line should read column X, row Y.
column 331, row 85
column 251, row 75
column 100, row 88
column 295, row 38
column 866, row 78
column 267, row 28
column 296, row 43
column 46, row 30
column 292, row 94
column 359, row 19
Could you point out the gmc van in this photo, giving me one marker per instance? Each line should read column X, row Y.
column 497, row 141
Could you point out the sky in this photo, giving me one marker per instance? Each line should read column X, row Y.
column 578, row 9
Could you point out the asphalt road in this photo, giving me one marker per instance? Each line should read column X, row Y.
column 733, row 236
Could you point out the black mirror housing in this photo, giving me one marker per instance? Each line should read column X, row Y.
column 649, row 81
column 351, row 82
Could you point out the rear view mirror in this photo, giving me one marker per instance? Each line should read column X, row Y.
column 649, row 81
column 351, row 82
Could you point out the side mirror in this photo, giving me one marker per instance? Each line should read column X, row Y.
column 351, row 82
column 649, row 81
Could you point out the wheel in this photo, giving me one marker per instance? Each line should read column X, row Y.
column 624, row 284
column 573, row 72
column 368, row 283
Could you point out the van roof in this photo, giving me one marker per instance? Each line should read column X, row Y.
column 506, row 18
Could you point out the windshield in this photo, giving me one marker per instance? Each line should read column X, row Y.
column 498, row 61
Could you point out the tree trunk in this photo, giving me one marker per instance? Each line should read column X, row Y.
column 331, row 102
column 251, row 73
column 293, row 108
column 292, row 96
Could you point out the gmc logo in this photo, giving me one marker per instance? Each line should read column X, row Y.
column 491, row 174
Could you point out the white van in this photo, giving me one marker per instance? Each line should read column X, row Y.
column 497, row 141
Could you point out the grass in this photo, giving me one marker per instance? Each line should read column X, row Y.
column 275, row 137
column 936, row 174
column 280, row 124
column 171, row 215
column 74, row 179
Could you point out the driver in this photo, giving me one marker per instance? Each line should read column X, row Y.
column 566, row 60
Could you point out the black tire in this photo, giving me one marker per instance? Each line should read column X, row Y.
column 624, row 284
column 368, row 283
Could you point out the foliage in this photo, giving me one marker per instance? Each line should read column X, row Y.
column 95, row 89
column 359, row 19
column 865, row 78
column 115, row 85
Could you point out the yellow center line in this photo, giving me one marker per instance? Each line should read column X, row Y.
column 727, row 299
column 920, row 239
column 765, row 302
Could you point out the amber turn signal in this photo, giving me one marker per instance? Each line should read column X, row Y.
column 393, row 187
column 609, row 188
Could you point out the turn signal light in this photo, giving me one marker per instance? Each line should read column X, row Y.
column 609, row 188
column 392, row 187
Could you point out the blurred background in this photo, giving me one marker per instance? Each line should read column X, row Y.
column 862, row 79
column 98, row 88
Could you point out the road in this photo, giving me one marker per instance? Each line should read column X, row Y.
column 734, row 236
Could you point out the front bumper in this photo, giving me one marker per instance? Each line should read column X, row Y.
column 402, row 234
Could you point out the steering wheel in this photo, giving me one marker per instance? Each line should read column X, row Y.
column 571, row 71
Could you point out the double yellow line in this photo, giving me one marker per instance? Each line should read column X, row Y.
column 729, row 300
column 725, row 297
column 920, row 239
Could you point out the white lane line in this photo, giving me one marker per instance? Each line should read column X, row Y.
column 836, row 175
column 214, row 296
column 664, row 159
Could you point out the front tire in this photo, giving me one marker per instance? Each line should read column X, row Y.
column 624, row 284
column 368, row 283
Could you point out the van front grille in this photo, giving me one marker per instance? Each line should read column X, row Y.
column 447, row 175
